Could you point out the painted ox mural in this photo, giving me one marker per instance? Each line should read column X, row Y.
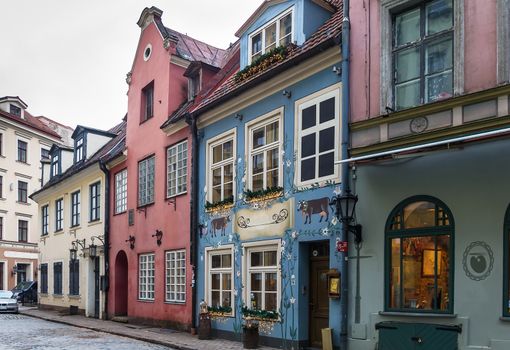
column 219, row 224
column 315, row 206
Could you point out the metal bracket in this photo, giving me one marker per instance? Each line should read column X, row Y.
column 172, row 201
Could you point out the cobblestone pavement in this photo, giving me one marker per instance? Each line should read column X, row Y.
column 20, row 332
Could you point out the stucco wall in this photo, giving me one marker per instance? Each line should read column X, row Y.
column 472, row 182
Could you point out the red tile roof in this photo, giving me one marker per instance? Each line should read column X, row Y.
column 331, row 29
column 31, row 122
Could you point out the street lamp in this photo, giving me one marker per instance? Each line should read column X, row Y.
column 345, row 206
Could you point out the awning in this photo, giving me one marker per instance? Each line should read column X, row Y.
column 394, row 152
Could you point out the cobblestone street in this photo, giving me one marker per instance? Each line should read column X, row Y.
column 20, row 332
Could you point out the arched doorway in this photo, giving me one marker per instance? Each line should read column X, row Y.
column 121, row 284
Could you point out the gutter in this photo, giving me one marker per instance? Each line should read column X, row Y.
column 102, row 165
column 345, row 51
column 192, row 122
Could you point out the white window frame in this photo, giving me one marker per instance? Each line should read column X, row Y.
column 316, row 98
column 213, row 142
column 55, row 166
column 148, row 292
column 262, row 31
column 173, row 169
column 80, row 145
column 121, row 191
column 146, row 199
column 175, row 272
column 261, row 246
column 209, row 253
column 266, row 119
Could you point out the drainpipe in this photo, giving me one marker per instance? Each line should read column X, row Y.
column 192, row 122
column 345, row 47
column 106, row 233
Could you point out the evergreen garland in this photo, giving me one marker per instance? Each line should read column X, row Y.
column 249, row 195
column 260, row 314
column 219, row 204
column 220, row 309
column 262, row 62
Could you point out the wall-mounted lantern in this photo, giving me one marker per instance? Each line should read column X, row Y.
column 93, row 247
column 159, row 236
column 14, row 270
column 345, row 206
column 73, row 252
column 131, row 241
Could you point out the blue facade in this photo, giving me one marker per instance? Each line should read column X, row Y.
column 302, row 227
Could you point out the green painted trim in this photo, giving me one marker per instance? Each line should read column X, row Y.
column 442, row 134
column 506, row 272
column 416, row 232
column 433, row 107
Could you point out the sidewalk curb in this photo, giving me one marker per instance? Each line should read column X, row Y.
column 120, row 334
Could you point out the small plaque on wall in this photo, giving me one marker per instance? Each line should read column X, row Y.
column 334, row 284
column 131, row 217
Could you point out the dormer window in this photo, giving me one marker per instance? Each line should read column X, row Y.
column 78, row 150
column 15, row 110
column 55, row 164
column 276, row 33
column 193, row 86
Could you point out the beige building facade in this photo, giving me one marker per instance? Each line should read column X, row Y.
column 24, row 140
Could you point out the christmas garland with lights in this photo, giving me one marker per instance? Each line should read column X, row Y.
column 260, row 314
column 219, row 309
column 227, row 202
column 268, row 193
column 262, row 62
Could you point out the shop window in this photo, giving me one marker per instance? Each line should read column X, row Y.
column 419, row 257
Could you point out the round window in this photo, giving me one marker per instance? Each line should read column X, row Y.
column 147, row 52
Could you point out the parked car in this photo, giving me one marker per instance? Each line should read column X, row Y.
column 8, row 302
column 26, row 292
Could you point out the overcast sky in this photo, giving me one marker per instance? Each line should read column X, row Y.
column 68, row 59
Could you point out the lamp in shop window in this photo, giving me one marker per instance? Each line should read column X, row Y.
column 344, row 205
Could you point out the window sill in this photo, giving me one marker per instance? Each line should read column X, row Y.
column 314, row 184
column 20, row 162
column 416, row 314
column 505, row 318
column 146, row 119
column 94, row 223
column 3, row 199
column 72, row 296
column 43, row 295
column 120, row 213
column 75, row 227
column 59, row 232
column 142, row 207
column 150, row 301
column 176, row 195
column 23, row 203
column 178, row 303
column 58, row 296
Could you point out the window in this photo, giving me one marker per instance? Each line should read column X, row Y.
column 177, row 169
column 423, row 54
column 275, row 34
column 78, row 150
column 121, row 191
column 1, row 228
column 55, row 164
column 22, row 151
column 22, row 192
column 57, row 278
column 262, row 278
column 175, row 274
column 15, row 110
column 59, row 214
column 264, row 149
column 44, row 278
column 221, row 169
column 44, row 220
column 146, row 277
column 74, row 277
column 318, row 137
column 419, row 257
column 75, row 208
column 45, row 153
column 1, row 187
column 148, row 102
column 95, row 201
column 146, row 181
column 1, row 144
column 22, row 231
column 194, row 86
column 219, row 278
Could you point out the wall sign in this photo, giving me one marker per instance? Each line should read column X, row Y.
column 478, row 260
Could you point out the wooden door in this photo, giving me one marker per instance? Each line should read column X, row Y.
column 319, row 300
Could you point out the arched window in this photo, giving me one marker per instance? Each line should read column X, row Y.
column 419, row 257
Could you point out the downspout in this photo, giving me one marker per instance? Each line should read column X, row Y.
column 345, row 51
column 192, row 122
column 106, row 234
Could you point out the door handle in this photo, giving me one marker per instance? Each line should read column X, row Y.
column 418, row 340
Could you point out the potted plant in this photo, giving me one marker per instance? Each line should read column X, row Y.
column 253, row 319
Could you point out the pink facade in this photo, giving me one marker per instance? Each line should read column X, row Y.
column 143, row 140
column 478, row 20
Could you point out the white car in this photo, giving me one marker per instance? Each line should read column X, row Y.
column 8, row 302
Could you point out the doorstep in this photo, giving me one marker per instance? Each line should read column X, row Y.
column 170, row 338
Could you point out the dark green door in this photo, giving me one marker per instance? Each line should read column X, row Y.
column 417, row 336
